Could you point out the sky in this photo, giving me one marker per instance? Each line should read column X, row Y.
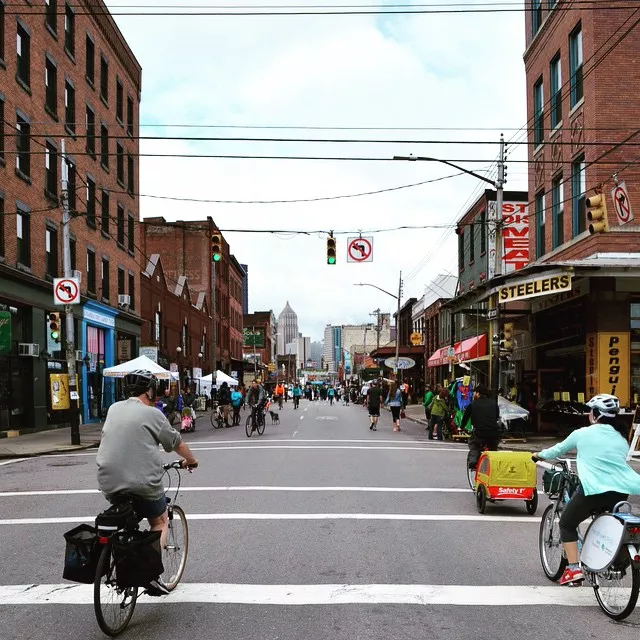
column 363, row 77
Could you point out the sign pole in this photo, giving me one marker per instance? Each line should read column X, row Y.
column 395, row 366
column 68, row 309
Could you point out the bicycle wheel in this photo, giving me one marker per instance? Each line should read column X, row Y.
column 113, row 606
column 616, row 589
column 471, row 474
column 247, row 427
column 262, row 422
column 174, row 553
column 551, row 552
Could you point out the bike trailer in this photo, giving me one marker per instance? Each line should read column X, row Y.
column 507, row 475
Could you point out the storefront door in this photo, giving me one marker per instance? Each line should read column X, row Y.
column 95, row 351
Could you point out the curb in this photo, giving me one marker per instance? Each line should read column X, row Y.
column 48, row 452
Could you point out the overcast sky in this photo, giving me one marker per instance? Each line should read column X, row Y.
column 366, row 71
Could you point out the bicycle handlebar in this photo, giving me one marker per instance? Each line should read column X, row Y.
column 177, row 464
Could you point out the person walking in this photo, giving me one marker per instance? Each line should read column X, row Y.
column 297, row 393
column 394, row 401
column 374, row 402
column 439, row 408
column 236, row 402
column 332, row 394
column 224, row 400
column 428, row 397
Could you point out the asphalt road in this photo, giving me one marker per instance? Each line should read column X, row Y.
column 318, row 529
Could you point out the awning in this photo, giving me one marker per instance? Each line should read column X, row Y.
column 466, row 350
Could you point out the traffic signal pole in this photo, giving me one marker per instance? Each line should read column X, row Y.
column 70, row 342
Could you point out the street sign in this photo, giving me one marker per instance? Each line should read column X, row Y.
column 415, row 338
column 360, row 249
column 66, row 291
column 403, row 363
column 621, row 203
column 492, row 314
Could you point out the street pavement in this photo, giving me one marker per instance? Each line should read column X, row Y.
column 320, row 528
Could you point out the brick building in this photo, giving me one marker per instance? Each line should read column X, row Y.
column 67, row 74
column 177, row 322
column 259, row 345
column 185, row 248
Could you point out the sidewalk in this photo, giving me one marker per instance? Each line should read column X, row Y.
column 47, row 442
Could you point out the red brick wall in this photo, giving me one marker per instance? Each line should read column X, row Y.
column 44, row 127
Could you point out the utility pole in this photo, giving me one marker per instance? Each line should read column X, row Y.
column 255, row 358
column 214, row 328
column 376, row 313
column 70, row 341
column 395, row 366
column 497, row 232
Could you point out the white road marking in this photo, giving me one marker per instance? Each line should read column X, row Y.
column 301, row 417
column 2, row 464
column 69, row 492
column 410, row 517
column 294, row 433
column 325, row 441
column 318, row 594
column 262, row 447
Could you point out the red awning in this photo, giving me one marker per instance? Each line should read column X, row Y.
column 468, row 349
column 439, row 358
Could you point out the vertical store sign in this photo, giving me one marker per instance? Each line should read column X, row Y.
column 5, row 332
column 515, row 236
column 592, row 365
column 491, row 239
column 614, row 364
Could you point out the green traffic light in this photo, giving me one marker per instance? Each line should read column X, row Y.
column 331, row 260
column 216, row 257
column 55, row 335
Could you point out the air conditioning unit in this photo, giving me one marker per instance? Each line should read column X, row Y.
column 77, row 275
column 28, row 349
column 79, row 355
column 124, row 300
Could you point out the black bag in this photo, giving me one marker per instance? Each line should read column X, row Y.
column 81, row 554
column 119, row 516
column 138, row 558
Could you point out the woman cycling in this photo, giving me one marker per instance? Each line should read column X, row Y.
column 605, row 476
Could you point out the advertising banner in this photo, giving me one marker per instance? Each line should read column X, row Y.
column 59, row 385
column 613, row 365
column 5, row 332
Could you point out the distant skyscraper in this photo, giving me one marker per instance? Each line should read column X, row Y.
column 287, row 328
column 245, row 290
column 316, row 352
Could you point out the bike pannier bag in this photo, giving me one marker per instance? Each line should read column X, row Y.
column 138, row 558
column 116, row 517
column 81, row 554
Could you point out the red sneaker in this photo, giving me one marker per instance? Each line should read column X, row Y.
column 572, row 576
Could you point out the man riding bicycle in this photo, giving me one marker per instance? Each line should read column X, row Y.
column 256, row 399
column 485, row 417
column 128, row 458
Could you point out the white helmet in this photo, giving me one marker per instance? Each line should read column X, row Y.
column 606, row 404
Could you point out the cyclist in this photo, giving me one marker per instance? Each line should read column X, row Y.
column 224, row 400
column 485, row 417
column 128, row 458
column 279, row 394
column 605, row 476
column 256, row 399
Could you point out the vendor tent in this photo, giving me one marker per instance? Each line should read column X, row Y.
column 221, row 377
column 140, row 363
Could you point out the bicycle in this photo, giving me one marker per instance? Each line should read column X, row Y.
column 609, row 549
column 260, row 422
column 217, row 417
column 114, row 605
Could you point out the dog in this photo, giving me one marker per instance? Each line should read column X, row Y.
column 275, row 417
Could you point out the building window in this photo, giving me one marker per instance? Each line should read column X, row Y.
column 460, row 250
column 105, row 279
column 73, row 253
column 578, row 188
column 575, row 65
column 119, row 101
column 130, row 174
column 538, row 113
column 540, row 227
column 91, row 202
column 483, row 232
column 132, row 290
column 90, row 60
column 23, row 45
column 557, row 210
column 157, row 328
column 472, row 243
column 555, row 87
column 104, row 79
column 69, row 106
column 104, row 146
column 91, row 132
column 50, row 16
column 120, row 281
column 131, row 234
column 23, row 147
column 51, row 252
column 91, row 271
column 71, row 186
column 51, row 87
column 69, row 30
column 51, row 170
column 120, row 163
column 552, row 4
column 536, row 16
column 105, row 212
column 23, row 235
column 120, row 226
column 130, row 116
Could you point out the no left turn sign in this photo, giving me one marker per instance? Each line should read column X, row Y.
column 360, row 249
column 621, row 202
column 66, row 291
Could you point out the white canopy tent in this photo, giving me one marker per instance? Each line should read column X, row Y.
column 141, row 362
column 206, row 382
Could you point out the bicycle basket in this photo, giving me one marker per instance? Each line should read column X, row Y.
column 552, row 482
column 119, row 516
column 81, row 554
column 138, row 559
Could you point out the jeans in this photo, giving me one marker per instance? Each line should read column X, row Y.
column 436, row 424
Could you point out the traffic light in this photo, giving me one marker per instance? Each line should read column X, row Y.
column 597, row 213
column 54, row 326
column 216, row 246
column 506, row 337
column 331, row 250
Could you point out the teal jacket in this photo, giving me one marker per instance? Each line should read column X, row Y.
column 602, row 460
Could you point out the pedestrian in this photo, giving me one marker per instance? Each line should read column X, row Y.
column 224, row 400
column 236, row 402
column 332, row 394
column 297, row 392
column 438, row 408
column 394, row 400
column 374, row 402
column 404, row 387
column 428, row 397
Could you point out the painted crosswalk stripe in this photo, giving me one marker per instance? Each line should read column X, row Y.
column 318, row 594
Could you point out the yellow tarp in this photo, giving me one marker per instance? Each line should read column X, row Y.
column 507, row 469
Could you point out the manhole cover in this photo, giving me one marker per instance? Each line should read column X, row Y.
column 65, row 464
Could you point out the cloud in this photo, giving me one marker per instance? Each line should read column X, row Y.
column 462, row 70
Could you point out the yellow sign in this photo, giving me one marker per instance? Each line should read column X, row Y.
column 592, row 364
column 566, row 396
column 556, row 395
column 581, row 397
column 466, row 381
column 415, row 338
column 613, row 365
column 59, row 384
column 533, row 288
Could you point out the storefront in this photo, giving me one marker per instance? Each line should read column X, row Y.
column 467, row 357
column 98, row 339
